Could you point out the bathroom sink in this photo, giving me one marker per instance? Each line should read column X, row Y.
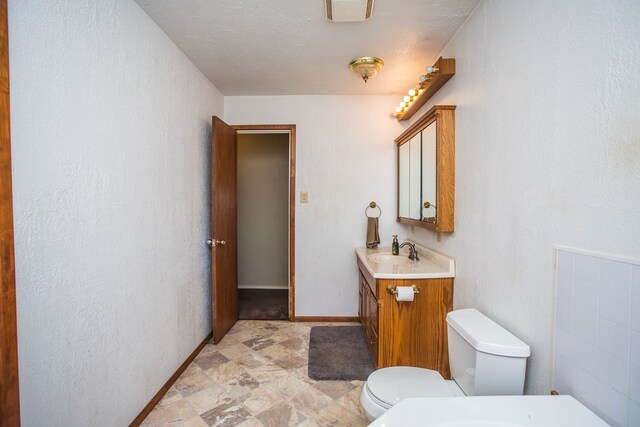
column 388, row 258
column 381, row 264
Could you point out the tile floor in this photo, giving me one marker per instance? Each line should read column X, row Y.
column 257, row 376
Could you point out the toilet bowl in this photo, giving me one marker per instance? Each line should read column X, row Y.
column 386, row 387
column 485, row 359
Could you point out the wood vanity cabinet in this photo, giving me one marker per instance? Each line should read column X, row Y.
column 406, row 333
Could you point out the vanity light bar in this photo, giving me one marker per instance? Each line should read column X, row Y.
column 428, row 84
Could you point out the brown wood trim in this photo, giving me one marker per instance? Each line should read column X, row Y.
column 445, row 167
column 327, row 319
column 291, row 129
column 447, row 68
column 9, row 385
column 284, row 128
column 163, row 390
column 292, row 224
column 417, row 223
column 422, row 123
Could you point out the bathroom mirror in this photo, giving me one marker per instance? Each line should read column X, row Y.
column 409, row 158
column 426, row 171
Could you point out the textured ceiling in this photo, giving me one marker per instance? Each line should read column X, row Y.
column 288, row 47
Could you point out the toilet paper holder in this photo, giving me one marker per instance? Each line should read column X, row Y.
column 392, row 289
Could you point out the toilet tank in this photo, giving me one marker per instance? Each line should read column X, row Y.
column 485, row 359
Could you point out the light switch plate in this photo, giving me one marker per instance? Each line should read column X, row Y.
column 304, row 197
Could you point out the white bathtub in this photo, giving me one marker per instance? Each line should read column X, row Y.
column 489, row 411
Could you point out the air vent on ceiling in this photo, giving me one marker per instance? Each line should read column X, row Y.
column 349, row 10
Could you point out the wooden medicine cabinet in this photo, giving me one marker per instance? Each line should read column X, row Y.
column 426, row 171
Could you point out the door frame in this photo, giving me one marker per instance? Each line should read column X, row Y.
column 291, row 130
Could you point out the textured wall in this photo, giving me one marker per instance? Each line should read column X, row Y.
column 345, row 158
column 263, row 210
column 547, row 152
column 110, row 138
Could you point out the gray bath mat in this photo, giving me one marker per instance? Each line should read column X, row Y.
column 339, row 353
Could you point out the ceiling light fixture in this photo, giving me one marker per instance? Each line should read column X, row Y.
column 348, row 10
column 366, row 67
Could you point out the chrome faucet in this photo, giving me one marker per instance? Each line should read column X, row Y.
column 413, row 253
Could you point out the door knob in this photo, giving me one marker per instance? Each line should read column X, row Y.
column 213, row 242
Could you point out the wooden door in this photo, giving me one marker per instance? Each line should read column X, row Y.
column 223, row 242
column 9, row 394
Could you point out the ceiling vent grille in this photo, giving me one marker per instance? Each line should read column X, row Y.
column 349, row 10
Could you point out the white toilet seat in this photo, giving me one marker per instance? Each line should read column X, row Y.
column 386, row 387
column 391, row 385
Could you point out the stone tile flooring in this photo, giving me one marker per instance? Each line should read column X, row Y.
column 257, row 376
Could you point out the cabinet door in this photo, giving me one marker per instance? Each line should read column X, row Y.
column 364, row 307
column 368, row 312
column 372, row 305
column 373, row 312
column 361, row 299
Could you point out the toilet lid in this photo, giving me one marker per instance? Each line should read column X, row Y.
column 390, row 385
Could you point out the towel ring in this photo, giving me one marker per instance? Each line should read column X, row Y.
column 372, row 205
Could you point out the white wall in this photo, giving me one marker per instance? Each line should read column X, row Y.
column 345, row 158
column 547, row 152
column 110, row 136
column 263, row 211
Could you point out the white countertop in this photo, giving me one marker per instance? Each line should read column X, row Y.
column 431, row 265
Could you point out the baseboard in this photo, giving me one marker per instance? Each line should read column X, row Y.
column 163, row 390
column 325, row 319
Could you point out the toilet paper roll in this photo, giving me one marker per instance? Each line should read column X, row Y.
column 405, row 293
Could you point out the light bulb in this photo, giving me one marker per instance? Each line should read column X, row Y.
column 403, row 104
column 412, row 92
column 407, row 99
column 423, row 78
column 398, row 109
column 432, row 69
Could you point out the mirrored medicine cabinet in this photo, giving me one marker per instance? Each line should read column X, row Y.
column 426, row 171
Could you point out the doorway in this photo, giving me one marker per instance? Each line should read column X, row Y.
column 265, row 197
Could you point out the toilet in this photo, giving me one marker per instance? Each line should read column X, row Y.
column 485, row 360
